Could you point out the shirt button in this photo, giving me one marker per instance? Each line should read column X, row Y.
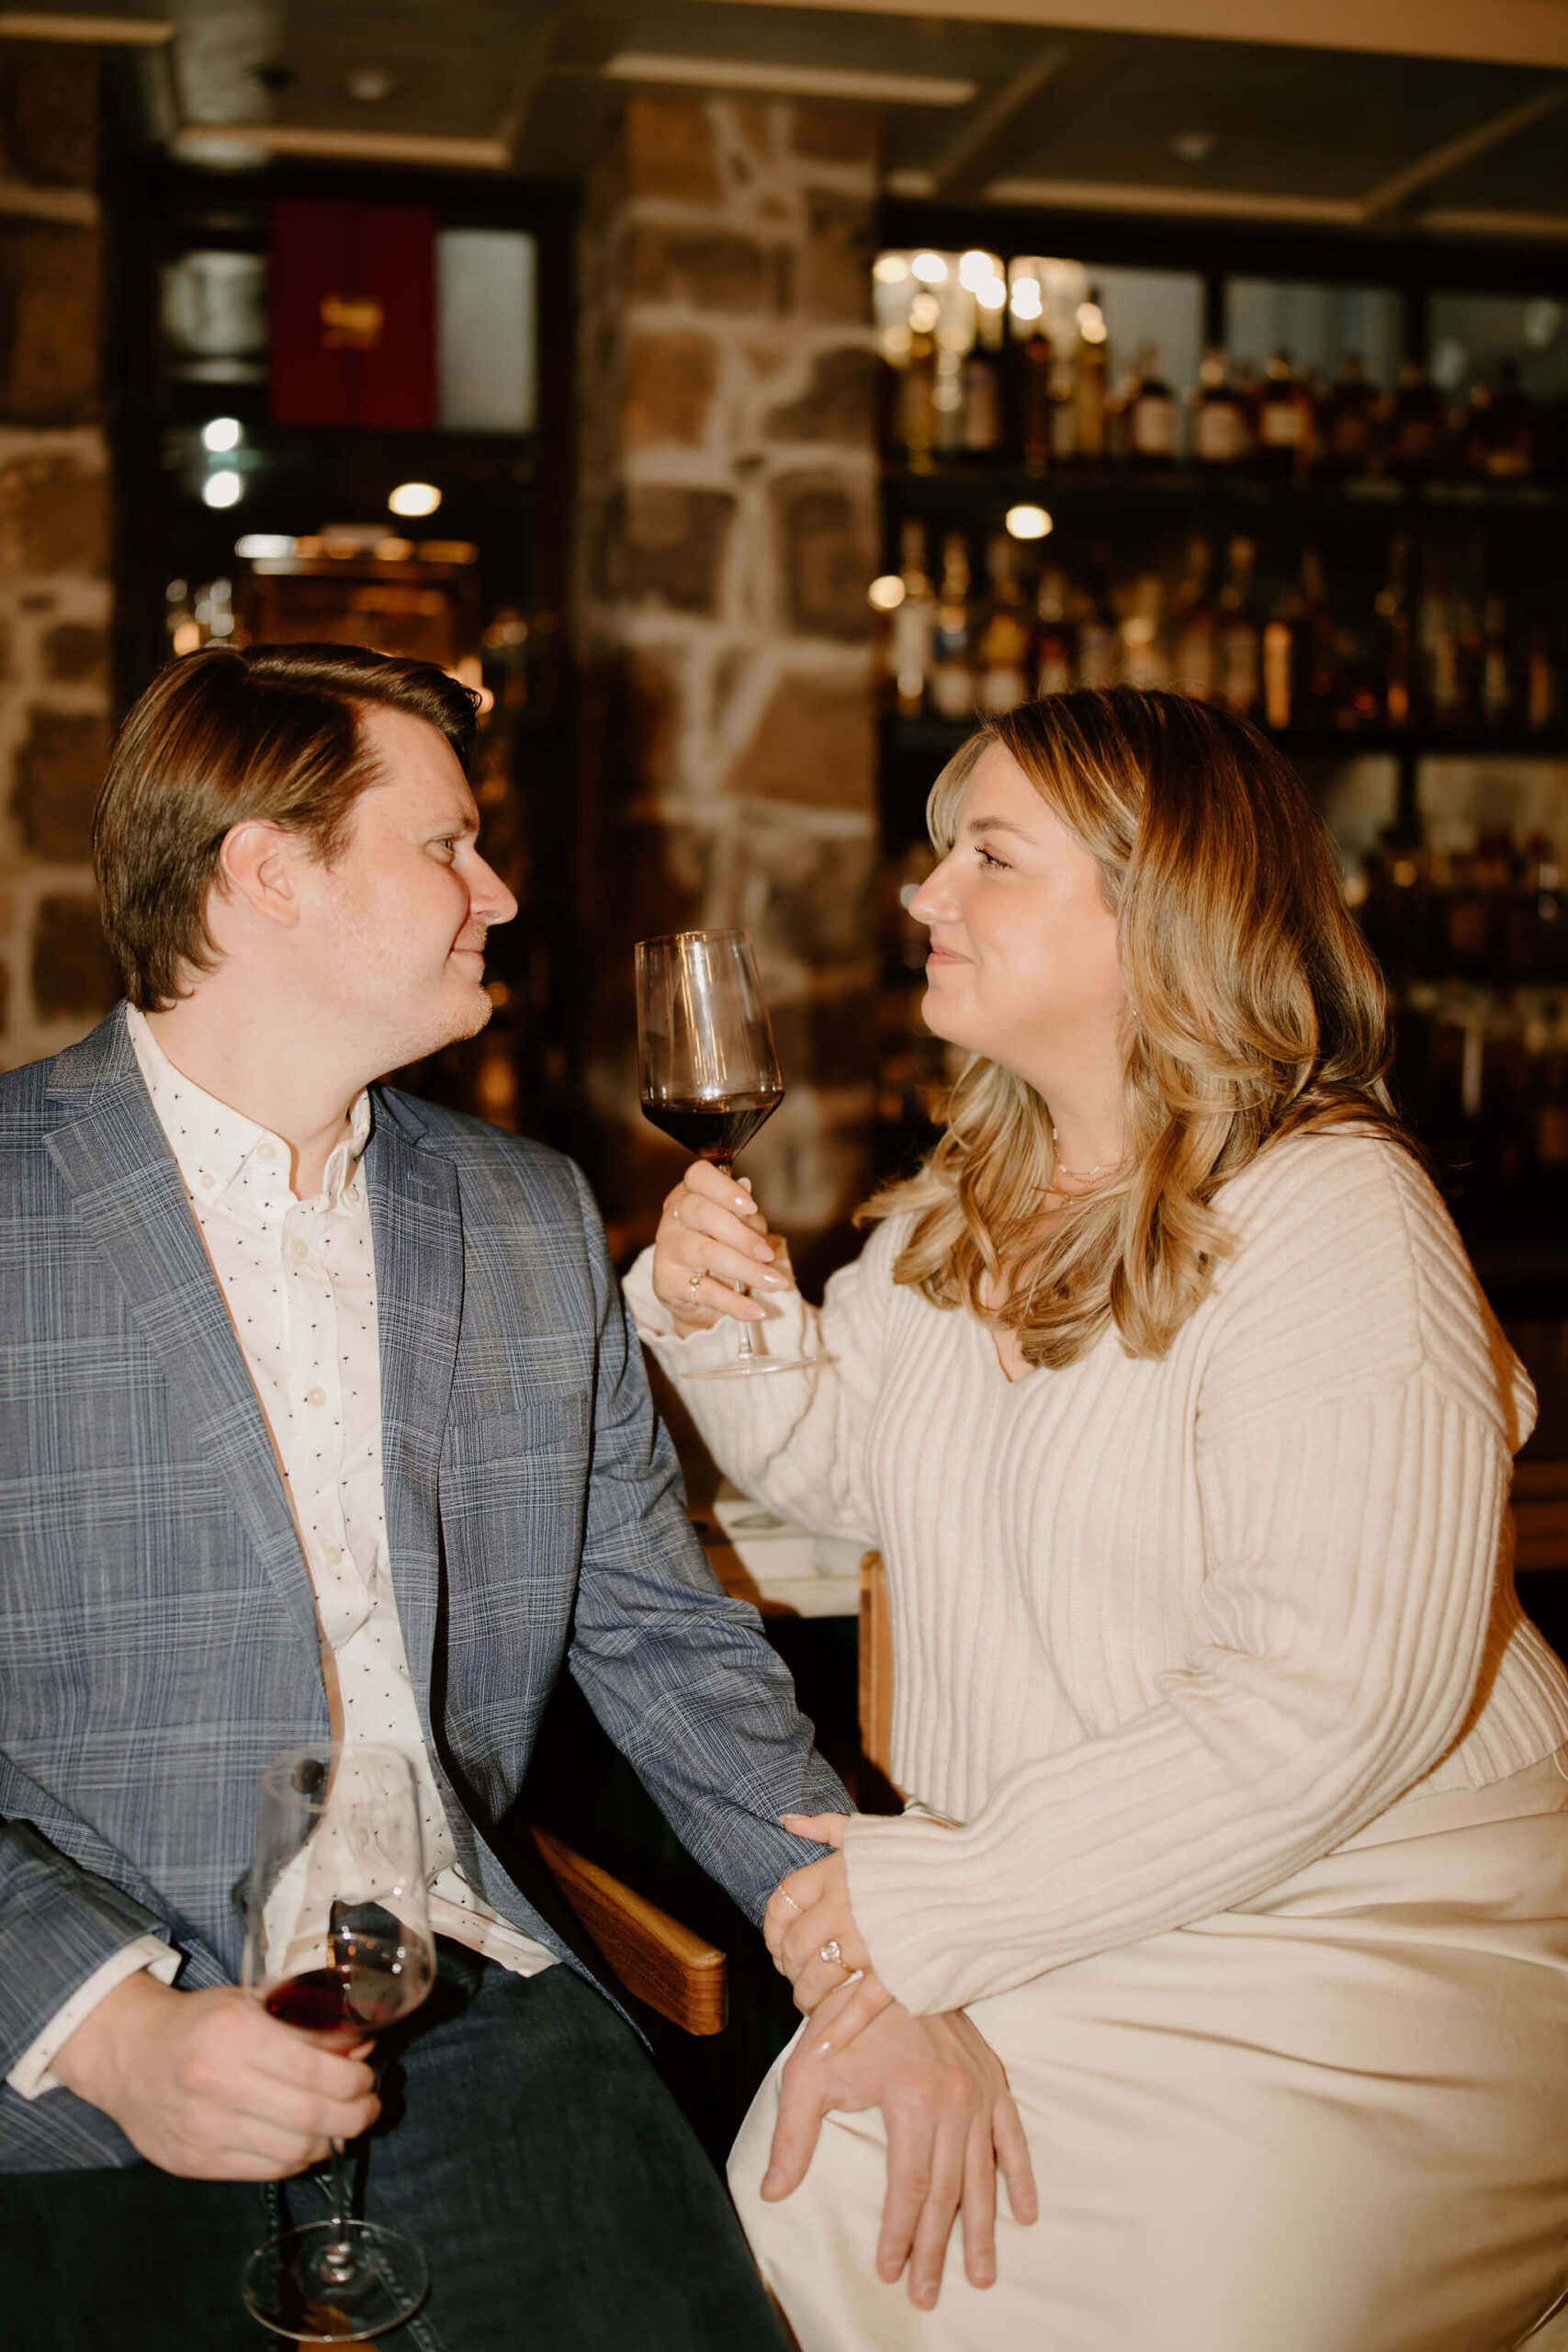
column 298, row 1252
column 208, row 1178
column 352, row 1196
column 266, row 1151
column 330, row 1552
column 315, row 1396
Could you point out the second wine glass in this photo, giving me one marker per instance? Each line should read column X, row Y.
column 708, row 1070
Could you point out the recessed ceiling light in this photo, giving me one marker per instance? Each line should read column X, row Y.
column 1029, row 522
column 223, row 489
column 368, row 84
column 1193, row 146
column 414, row 498
column 220, row 433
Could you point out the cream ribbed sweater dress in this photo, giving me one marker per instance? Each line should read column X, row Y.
column 1259, row 1875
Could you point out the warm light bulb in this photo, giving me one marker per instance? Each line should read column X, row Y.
column 886, row 594
column 1029, row 522
column 258, row 547
column 977, row 270
column 414, row 498
column 929, row 268
column 223, row 489
column 1091, row 322
column 993, row 294
column 891, row 269
column 1027, row 302
column 221, row 434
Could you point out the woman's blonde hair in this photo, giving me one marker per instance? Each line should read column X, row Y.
column 1256, row 1011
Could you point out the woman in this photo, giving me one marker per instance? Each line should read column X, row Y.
column 1171, row 1400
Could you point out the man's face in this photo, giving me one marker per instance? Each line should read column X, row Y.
column 395, row 929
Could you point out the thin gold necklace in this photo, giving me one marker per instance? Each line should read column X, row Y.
column 1078, row 1175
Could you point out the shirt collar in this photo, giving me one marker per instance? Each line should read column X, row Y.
column 214, row 1144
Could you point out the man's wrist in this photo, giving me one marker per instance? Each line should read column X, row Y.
column 89, row 2062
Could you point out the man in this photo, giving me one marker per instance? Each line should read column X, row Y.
column 321, row 1419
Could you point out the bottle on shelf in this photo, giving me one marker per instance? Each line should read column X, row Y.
column 1538, row 917
column 1350, row 418
column 1319, row 693
column 1282, row 648
column 1239, row 646
column 1151, row 413
column 1541, row 680
column 983, row 428
column 1091, row 368
column 1098, row 634
column 1393, row 614
column 916, row 401
column 914, row 624
column 1499, row 440
column 1417, row 428
column 1284, row 419
column 1497, row 701
column 1034, row 372
column 1193, row 631
column 1146, row 649
column 1222, row 423
column 951, row 690
column 1055, row 663
column 1439, row 669
column 1002, row 648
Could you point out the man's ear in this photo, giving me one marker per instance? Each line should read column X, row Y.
column 258, row 867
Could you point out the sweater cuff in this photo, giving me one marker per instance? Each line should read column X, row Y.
column 782, row 1334
column 891, row 1862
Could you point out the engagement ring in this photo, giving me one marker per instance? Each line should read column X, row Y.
column 832, row 1953
column 694, row 1282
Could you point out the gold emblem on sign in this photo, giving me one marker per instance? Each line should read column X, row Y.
column 351, row 321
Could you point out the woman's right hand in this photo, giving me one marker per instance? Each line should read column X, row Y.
column 711, row 1237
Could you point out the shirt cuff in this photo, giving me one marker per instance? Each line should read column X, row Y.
column 31, row 2075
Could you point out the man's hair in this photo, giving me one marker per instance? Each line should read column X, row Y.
column 223, row 737
column 1256, row 1011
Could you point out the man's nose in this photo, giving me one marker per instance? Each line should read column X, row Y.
column 491, row 902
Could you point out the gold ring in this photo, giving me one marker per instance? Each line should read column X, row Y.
column 832, row 1953
column 694, row 1282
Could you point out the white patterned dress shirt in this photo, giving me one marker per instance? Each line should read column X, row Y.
column 299, row 1279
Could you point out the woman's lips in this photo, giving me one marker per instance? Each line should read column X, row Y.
column 945, row 955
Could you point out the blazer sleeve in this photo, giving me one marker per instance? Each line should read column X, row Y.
column 681, row 1677
column 59, row 1925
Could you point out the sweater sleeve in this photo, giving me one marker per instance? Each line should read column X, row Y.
column 796, row 1441
column 1353, row 1475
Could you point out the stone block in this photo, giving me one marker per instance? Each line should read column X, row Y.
column 668, row 391
column 58, row 768
column 837, row 256
column 665, row 546
column 77, row 653
column 812, row 897
column 49, row 114
column 711, row 269
column 830, row 134
column 814, row 746
column 826, row 539
column 53, row 519
column 73, row 972
column 839, row 404
column 669, row 150
column 50, row 277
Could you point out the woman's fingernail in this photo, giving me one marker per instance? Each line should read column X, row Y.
column 742, row 1203
column 822, row 2050
column 772, row 1282
column 761, row 1250
column 983, row 2273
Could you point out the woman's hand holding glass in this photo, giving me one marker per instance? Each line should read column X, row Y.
column 713, row 1241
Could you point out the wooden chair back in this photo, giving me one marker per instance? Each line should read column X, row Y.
column 876, row 1793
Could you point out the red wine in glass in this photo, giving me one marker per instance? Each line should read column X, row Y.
column 714, row 1127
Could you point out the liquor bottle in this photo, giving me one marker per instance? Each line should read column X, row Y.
column 1055, row 648
column 952, row 689
column 1319, row 697
column 1239, row 646
column 1145, row 649
column 1541, row 679
column 1193, row 627
column 1221, row 428
column 917, row 407
column 1098, row 634
column 1283, row 440
column 1498, row 706
column 1151, row 413
column 1349, row 419
column 1538, row 917
column 1500, row 429
column 1439, row 672
column 1064, row 409
column 1092, row 368
column 1551, row 1104
column 1393, row 612
column 947, row 394
column 983, row 429
column 1283, row 641
column 1034, row 372
column 914, row 622
column 1417, row 426
column 1001, row 654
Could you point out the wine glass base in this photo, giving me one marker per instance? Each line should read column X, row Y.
column 752, row 1367
column 289, row 2287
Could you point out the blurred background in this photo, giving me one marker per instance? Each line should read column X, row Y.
column 741, row 397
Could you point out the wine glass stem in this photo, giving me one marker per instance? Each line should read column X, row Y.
column 337, row 2256
column 745, row 1347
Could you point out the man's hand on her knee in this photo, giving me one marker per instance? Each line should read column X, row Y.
column 208, row 2086
column 951, row 2121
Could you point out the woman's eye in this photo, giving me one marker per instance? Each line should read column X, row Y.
column 996, row 865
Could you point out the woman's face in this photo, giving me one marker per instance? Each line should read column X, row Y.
column 1022, row 965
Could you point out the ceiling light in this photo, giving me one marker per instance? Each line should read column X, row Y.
column 1193, row 146
column 414, row 498
column 368, row 84
column 259, row 546
column 890, row 269
column 929, row 268
column 223, row 489
column 221, row 432
column 1029, row 522
column 886, row 594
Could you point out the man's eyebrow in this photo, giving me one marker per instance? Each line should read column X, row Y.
column 465, row 826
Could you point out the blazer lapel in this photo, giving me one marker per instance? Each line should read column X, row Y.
column 416, row 1222
column 115, row 1161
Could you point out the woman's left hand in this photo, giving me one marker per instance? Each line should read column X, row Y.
column 809, row 1912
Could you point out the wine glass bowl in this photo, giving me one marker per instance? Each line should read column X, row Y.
column 707, row 1069
column 338, row 1944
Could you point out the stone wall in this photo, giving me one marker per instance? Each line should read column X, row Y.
column 56, row 976
column 727, row 532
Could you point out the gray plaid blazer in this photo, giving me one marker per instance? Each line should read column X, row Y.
column 157, row 1629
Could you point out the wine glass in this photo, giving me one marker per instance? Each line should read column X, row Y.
column 707, row 1071
column 338, row 1943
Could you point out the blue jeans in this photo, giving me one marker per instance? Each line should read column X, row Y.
column 525, row 2143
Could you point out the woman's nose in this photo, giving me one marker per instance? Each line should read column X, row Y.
column 933, row 903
